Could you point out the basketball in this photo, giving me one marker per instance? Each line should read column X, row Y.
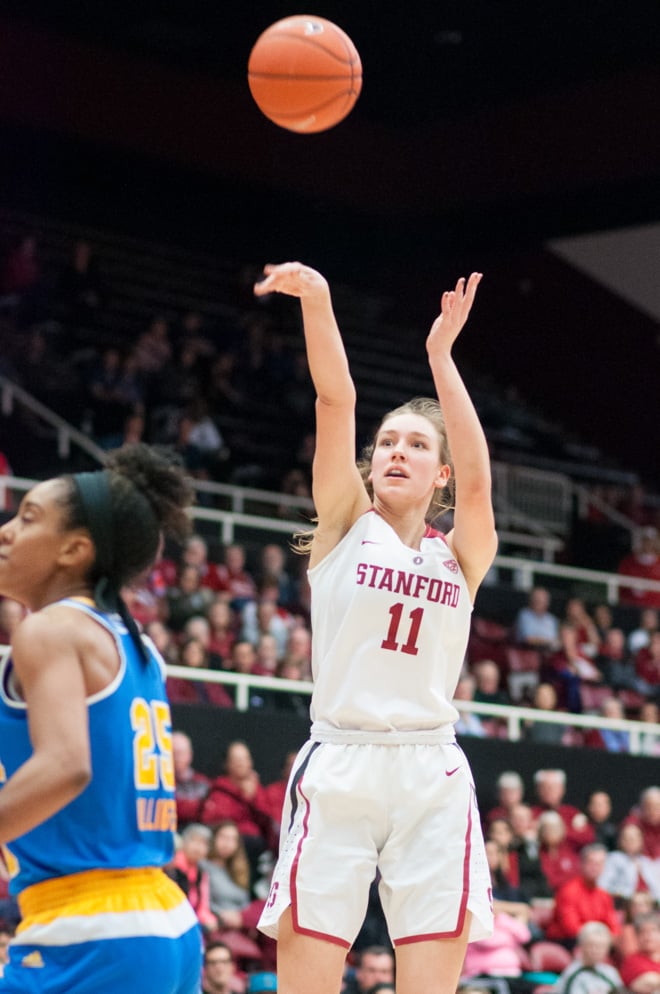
column 305, row 73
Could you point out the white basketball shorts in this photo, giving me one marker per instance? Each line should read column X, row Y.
column 410, row 811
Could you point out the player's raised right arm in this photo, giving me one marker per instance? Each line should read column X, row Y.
column 338, row 491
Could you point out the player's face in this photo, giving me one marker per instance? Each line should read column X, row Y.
column 32, row 541
column 406, row 458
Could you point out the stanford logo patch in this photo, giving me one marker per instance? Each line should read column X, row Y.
column 451, row 565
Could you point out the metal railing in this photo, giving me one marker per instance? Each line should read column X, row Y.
column 526, row 572
column 538, row 501
column 513, row 717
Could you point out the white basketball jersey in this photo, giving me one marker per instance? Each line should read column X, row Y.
column 390, row 628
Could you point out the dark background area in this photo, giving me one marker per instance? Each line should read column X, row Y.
column 271, row 736
column 484, row 128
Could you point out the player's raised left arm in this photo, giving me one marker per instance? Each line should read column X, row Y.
column 473, row 537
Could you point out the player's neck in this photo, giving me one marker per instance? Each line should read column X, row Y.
column 408, row 524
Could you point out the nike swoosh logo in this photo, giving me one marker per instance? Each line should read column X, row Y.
column 368, row 541
column 450, row 773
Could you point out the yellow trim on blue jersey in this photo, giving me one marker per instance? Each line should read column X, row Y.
column 97, row 892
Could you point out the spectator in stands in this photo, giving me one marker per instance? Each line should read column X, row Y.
column 581, row 900
column 611, row 739
column 198, row 627
column 647, row 666
column 599, row 815
column 641, row 970
column 375, row 965
column 591, row 972
column 637, row 906
column 188, row 598
column 535, row 625
column 650, row 741
column 646, row 814
column 525, row 846
column 559, row 860
column 571, row 669
column 489, row 690
column 640, row 637
column 223, row 627
column 586, row 634
column 187, row 871
column 194, row 553
column 627, row 869
column 163, row 638
column 267, row 657
column 276, row 791
column 272, row 566
column 502, row 954
column 111, row 399
column 616, row 664
column 243, row 657
column 468, row 722
column 500, row 831
column 219, row 976
column 603, row 620
column 545, row 732
column 265, row 616
column 550, row 788
column 143, row 605
column 642, row 562
column 510, row 790
column 227, row 391
column 180, row 691
column 80, row 291
column 235, row 579
column 297, row 703
column 228, row 870
column 192, row 787
column 488, row 684
column 200, row 441
column 153, row 349
column 11, row 613
column 239, row 795
column 299, row 652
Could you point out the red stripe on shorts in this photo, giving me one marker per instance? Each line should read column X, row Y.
column 297, row 927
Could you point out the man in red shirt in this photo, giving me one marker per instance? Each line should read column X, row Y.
column 191, row 786
column 581, row 900
column 641, row 970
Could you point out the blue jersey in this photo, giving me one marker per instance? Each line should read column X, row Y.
column 126, row 816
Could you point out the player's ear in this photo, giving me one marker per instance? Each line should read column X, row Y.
column 76, row 550
column 442, row 476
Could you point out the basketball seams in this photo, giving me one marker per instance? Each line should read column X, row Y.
column 306, row 82
column 303, row 78
column 351, row 62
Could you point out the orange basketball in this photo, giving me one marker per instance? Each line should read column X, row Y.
column 305, row 73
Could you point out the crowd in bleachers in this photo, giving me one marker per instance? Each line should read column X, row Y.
column 555, row 869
